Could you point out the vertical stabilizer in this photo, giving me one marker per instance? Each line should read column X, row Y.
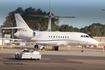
column 20, row 22
column 49, row 22
column 49, row 25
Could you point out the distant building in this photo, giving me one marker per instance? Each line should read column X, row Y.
column 7, row 36
column 100, row 39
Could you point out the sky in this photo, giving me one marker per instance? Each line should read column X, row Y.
column 86, row 12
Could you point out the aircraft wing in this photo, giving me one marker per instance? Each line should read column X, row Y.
column 12, row 28
column 44, row 16
column 46, row 43
column 64, row 16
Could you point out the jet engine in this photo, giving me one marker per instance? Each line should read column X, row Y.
column 27, row 34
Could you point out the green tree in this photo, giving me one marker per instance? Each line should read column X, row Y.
column 64, row 28
column 96, row 29
column 67, row 28
column 35, row 23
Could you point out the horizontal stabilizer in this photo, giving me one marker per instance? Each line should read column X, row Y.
column 44, row 16
column 64, row 16
column 12, row 28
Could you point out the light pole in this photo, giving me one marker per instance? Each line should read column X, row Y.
column 103, row 45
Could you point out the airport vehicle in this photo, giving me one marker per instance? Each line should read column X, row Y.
column 26, row 54
column 51, row 38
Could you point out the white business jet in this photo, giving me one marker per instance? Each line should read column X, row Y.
column 51, row 38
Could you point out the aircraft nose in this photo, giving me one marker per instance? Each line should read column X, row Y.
column 96, row 42
column 93, row 42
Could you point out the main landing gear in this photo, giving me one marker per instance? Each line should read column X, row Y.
column 56, row 48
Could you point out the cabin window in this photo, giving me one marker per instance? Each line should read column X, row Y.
column 51, row 36
column 58, row 36
column 81, row 35
column 68, row 36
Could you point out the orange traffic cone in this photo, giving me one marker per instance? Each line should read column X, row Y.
column 10, row 46
column 1, row 47
column 68, row 48
column 102, row 50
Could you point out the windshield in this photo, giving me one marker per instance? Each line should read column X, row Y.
column 85, row 36
column 90, row 35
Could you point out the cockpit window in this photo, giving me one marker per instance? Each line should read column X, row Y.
column 90, row 35
column 85, row 36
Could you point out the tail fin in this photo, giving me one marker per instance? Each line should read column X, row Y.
column 20, row 22
column 49, row 25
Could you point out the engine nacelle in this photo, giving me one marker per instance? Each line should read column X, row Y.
column 27, row 34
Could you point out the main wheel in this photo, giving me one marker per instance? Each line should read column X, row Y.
column 16, row 56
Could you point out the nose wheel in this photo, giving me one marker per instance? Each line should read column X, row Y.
column 56, row 48
column 36, row 46
column 82, row 49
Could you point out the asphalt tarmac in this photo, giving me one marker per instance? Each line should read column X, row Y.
column 74, row 59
